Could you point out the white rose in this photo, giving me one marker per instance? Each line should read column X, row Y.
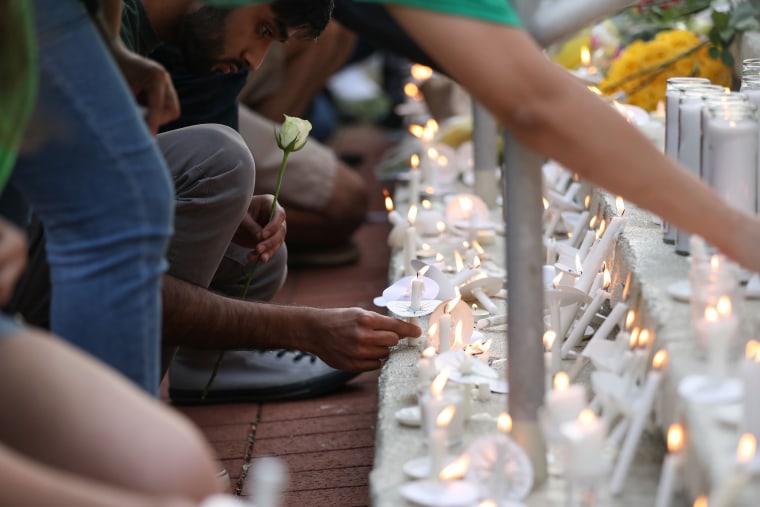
column 293, row 134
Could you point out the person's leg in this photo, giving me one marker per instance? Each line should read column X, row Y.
column 325, row 200
column 72, row 413
column 97, row 182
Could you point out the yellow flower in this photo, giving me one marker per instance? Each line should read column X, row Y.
column 649, row 88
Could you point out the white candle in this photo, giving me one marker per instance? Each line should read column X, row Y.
column 671, row 466
column 437, row 441
column 613, row 319
column 418, row 287
column 586, row 437
column 496, row 320
column 588, row 241
column 581, row 324
column 410, row 250
column 484, row 300
column 733, row 158
column 427, row 221
column 639, row 419
column 718, row 331
column 566, row 400
column 593, row 261
column 444, row 333
column 414, row 186
column 750, row 375
column 576, row 235
column 726, row 494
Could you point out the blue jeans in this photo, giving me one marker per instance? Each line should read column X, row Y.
column 93, row 175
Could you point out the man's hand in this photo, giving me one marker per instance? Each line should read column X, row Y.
column 12, row 258
column 151, row 84
column 353, row 339
column 255, row 233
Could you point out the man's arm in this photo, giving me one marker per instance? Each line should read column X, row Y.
column 349, row 339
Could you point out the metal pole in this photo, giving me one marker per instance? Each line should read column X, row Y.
column 554, row 21
column 485, row 154
column 525, row 353
column 547, row 22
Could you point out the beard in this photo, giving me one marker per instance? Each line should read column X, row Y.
column 201, row 39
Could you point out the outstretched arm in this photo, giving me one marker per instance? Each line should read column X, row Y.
column 553, row 114
column 349, row 339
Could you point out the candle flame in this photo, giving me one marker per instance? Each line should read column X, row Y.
column 456, row 469
column 504, row 422
column 561, row 381
column 675, row 438
column 443, row 160
column 432, row 153
column 602, row 228
column 411, row 90
column 660, row 360
column 578, row 264
column 430, row 190
column 458, row 343
column 745, row 451
column 458, row 261
column 630, row 318
column 660, row 110
column 714, row 262
column 549, row 336
column 433, row 331
column 594, row 90
column 414, row 161
column 586, row 418
column 620, row 205
column 429, row 352
column 701, row 501
column 416, row 131
column 439, row 257
column 644, row 338
column 476, row 262
column 431, row 125
column 585, row 56
column 425, row 269
column 439, row 382
column 634, row 340
column 421, row 72
column 440, row 227
column 445, row 416
column 478, row 248
column 388, row 203
column 752, row 350
column 487, row 503
column 466, row 245
column 412, row 214
column 627, row 287
column 556, row 280
column 546, row 202
column 426, row 247
column 592, row 222
column 427, row 204
column 465, row 203
column 711, row 314
column 453, row 302
column 724, row 306
column 587, row 201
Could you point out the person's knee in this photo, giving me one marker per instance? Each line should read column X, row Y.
column 221, row 167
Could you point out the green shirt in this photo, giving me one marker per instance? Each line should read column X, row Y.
column 496, row 11
column 18, row 79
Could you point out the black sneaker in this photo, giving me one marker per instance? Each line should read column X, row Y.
column 251, row 376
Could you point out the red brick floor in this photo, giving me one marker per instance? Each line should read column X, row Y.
column 328, row 442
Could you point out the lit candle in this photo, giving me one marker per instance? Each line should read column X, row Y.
column 727, row 493
column 576, row 236
column 444, row 331
column 498, row 486
column 426, row 365
column 586, row 436
column 639, row 418
column 588, row 241
column 566, row 400
column 717, row 329
column 414, row 180
column 418, row 286
column 410, row 250
column 438, row 439
column 750, row 375
column 598, row 254
column 671, row 466
column 581, row 324
column 614, row 318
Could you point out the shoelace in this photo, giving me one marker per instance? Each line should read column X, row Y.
column 298, row 355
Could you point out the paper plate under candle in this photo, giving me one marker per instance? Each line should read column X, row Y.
column 445, row 287
column 440, row 493
column 517, row 465
column 419, row 468
column 402, row 290
column 409, row 416
column 467, row 209
column 481, row 373
column 403, row 309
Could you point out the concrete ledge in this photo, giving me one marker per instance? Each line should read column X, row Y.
column 653, row 266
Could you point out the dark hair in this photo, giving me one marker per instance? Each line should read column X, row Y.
column 308, row 17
